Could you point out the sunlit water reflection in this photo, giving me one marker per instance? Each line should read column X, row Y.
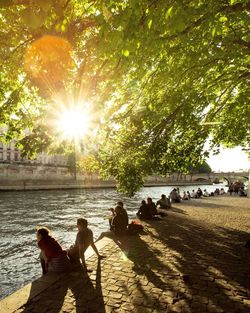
column 21, row 212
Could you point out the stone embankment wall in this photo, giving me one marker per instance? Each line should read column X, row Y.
column 34, row 177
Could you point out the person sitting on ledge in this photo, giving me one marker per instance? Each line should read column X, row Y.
column 123, row 211
column 222, row 191
column 119, row 222
column 53, row 258
column 193, row 194
column 205, row 193
column 164, row 202
column 84, row 239
column 185, row 196
column 174, row 196
column 152, row 207
column 199, row 193
column 144, row 212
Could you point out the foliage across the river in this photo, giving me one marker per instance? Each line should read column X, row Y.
column 162, row 77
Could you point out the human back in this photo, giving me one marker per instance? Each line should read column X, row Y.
column 119, row 222
column 53, row 258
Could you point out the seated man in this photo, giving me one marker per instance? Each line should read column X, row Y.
column 174, row 196
column 84, row 239
column 164, row 202
column 205, row 193
column 119, row 222
column 123, row 211
column 152, row 207
column 144, row 212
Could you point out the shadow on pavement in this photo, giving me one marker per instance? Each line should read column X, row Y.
column 199, row 267
column 75, row 291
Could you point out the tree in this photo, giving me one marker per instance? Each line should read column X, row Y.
column 163, row 76
column 201, row 168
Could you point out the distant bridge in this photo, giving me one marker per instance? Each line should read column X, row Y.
column 228, row 177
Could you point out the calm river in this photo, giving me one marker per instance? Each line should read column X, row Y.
column 22, row 211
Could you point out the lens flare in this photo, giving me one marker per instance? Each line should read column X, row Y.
column 74, row 122
column 48, row 61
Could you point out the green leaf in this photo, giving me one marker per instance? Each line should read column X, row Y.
column 125, row 53
column 223, row 19
column 169, row 12
column 150, row 24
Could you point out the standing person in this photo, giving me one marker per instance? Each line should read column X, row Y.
column 164, row 202
column 84, row 239
column 53, row 257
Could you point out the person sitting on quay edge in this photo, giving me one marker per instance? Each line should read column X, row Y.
column 217, row 192
column 222, row 191
column 199, row 193
column 152, row 207
column 174, row 196
column 144, row 211
column 84, row 239
column 185, row 196
column 53, row 258
column 206, row 193
column 123, row 211
column 164, row 202
column 193, row 194
column 242, row 192
column 119, row 222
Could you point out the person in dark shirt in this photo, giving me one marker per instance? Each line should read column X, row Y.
column 144, row 211
column 119, row 222
column 151, row 206
column 53, row 257
column 123, row 211
column 84, row 239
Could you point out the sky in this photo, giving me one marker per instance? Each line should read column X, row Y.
column 232, row 160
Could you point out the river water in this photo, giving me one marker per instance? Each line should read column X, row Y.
column 22, row 211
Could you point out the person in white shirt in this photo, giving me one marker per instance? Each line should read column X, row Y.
column 193, row 194
column 205, row 193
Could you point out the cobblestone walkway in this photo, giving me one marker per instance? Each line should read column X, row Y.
column 178, row 264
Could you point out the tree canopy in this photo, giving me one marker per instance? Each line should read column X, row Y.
column 162, row 77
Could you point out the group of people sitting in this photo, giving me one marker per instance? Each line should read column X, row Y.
column 175, row 195
column 148, row 210
column 55, row 259
column 237, row 188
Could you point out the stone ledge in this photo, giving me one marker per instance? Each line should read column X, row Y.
column 19, row 298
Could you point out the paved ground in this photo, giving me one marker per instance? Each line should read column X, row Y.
column 194, row 260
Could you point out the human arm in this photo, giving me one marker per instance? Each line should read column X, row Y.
column 81, row 255
column 96, row 250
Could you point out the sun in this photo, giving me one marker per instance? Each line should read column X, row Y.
column 74, row 122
